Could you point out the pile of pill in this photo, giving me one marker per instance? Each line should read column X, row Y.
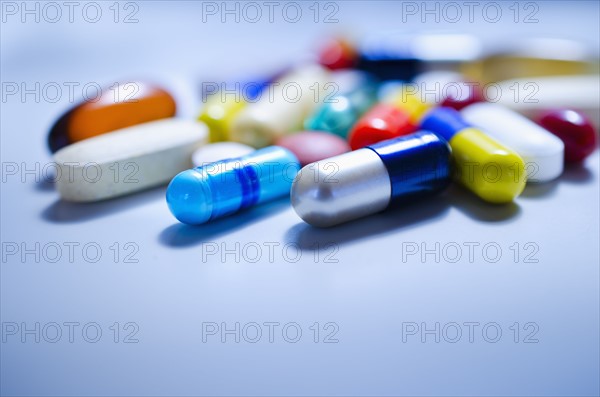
column 357, row 130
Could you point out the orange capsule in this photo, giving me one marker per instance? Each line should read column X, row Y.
column 116, row 107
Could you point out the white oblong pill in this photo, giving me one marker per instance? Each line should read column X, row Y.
column 542, row 151
column 530, row 96
column 219, row 151
column 127, row 160
column 282, row 107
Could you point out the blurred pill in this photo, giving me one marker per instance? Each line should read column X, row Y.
column 337, row 53
column 383, row 121
column 448, row 89
column 283, row 110
column 219, row 151
column 542, row 152
column 531, row 96
column 311, row 146
column 411, row 101
column 402, row 55
column 337, row 114
column 574, row 129
column 532, row 57
column 127, row 160
column 116, row 107
column 388, row 90
column 218, row 114
column 467, row 94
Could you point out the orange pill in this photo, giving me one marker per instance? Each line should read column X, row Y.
column 116, row 107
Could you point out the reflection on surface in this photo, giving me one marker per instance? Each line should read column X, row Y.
column 182, row 235
column 479, row 210
column 66, row 212
column 308, row 237
column 577, row 173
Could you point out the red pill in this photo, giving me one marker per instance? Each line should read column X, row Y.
column 311, row 146
column 383, row 121
column 468, row 95
column 337, row 54
column 574, row 129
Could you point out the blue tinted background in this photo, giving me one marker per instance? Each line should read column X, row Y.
column 366, row 285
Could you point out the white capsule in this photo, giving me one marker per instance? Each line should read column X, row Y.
column 542, row 151
column 127, row 160
column 341, row 188
column 282, row 107
column 530, row 96
column 219, row 151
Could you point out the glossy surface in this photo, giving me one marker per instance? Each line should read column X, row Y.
column 467, row 95
column 418, row 164
column 489, row 169
column 574, row 129
column 219, row 151
column 222, row 188
column 412, row 103
column 542, row 151
column 218, row 114
column 117, row 107
column 382, row 122
column 340, row 112
column 283, row 111
column 311, row 146
column 492, row 171
column 127, row 160
column 368, row 180
column 337, row 53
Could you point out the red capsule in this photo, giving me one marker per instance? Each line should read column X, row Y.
column 574, row 129
column 337, row 54
column 383, row 121
column 469, row 95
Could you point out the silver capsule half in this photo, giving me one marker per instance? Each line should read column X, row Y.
column 369, row 180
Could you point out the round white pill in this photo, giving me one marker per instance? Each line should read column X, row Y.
column 219, row 151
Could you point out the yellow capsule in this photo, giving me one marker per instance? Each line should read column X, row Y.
column 218, row 114
column 483, row 165
column 533, row 57
column 492, row 171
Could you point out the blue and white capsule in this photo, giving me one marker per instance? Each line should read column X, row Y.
column 369, row 180
column 222, row 188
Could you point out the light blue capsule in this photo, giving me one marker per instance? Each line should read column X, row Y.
column 222, row 188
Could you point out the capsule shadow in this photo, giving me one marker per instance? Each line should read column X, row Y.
column 429, row 210
column 573, row 173
column 475, row 208
column 45, row 183
column 539, row 190
column 66, row 212
column 180, row 235
column 577, row 174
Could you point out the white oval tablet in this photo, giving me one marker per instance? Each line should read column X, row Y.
column 127, row 160
column 219, row 151
column 542, row 151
